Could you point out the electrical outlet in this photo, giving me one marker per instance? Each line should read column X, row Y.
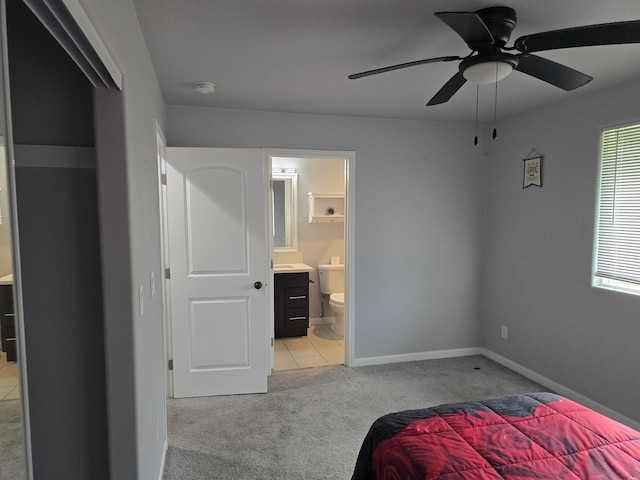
column 505, row 332
column 153, row 284
column 141, row 299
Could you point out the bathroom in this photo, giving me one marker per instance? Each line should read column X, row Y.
column 313, row 238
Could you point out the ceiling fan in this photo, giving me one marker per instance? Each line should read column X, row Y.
column 487, row 31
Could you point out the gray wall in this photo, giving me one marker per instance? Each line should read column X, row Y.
column 60, row 258
column 56, row 108
column 59, row 242
column 130, row 234
column 419, row 202
column 539, row 252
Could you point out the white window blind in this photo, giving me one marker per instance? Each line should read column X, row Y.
column 618, row 235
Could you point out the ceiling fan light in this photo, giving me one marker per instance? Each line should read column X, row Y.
column 487, row 72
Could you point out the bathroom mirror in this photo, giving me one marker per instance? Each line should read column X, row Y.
column 283, row 197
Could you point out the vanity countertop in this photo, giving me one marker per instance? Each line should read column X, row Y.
column 292, row 268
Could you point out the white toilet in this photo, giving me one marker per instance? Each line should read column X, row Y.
column 332, row 284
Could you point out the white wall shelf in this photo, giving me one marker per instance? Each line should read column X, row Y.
column 326, row 207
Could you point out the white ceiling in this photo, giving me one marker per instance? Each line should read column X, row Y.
column 295, row 55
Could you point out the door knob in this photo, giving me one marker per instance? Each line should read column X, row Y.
column 257, row 285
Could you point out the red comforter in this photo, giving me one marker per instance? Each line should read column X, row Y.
column 539, row 436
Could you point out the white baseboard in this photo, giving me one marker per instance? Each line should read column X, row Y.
column 164, row 458
column 413, row 357
column 322, row 320
column 530, row 374
column 560, row 389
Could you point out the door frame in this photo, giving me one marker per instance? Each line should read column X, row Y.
column 165, row 285
column 349, row 237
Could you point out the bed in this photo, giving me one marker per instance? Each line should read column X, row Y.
column 538, row 435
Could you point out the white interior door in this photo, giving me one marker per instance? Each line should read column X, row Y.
column 217, row 204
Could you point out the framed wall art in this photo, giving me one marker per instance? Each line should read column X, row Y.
column 532, row 174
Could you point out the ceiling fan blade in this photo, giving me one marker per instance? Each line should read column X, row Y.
column 602, row 34
column 448, row 90
column 402, row 65
column 551, row 72
column 469, row 26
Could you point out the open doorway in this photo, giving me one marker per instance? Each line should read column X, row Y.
column 309, row 232
column 318, row 217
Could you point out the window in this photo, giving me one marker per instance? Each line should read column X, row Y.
column 617, row 256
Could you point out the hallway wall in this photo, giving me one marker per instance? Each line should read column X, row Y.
column 130, row 236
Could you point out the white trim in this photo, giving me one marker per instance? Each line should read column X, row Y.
column 322, row 320
column 165, row 285
column 163, row 461
column 349, row 230
column 614, row 286
column 560, row 389
column 413, row 357
column 271, row 362
column 67, row 21
column 87, row 28
column 54, row 156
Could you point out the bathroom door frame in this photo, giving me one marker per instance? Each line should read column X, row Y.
column 349, row 158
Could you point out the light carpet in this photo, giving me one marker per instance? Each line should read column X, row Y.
column 12, row 463
column 311, row 423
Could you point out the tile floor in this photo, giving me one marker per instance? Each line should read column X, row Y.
column 9, row 389
column 319, row 348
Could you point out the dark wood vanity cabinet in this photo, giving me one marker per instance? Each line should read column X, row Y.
column 291, row 304
column 7, row 322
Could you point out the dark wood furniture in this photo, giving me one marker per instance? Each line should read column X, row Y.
column 291, row 304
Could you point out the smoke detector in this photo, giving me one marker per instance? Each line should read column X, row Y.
column 204, row 87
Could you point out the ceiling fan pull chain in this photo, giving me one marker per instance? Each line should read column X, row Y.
column 475, row 140
column 495, row 106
